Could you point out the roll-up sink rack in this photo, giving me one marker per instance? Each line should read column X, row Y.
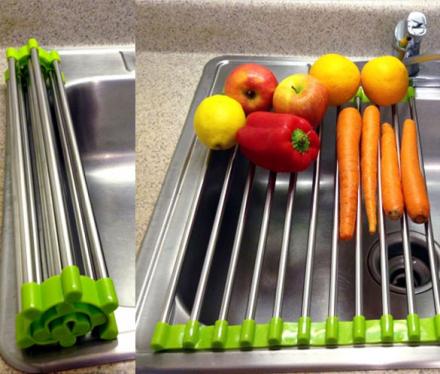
column 64, row 290
column 256, row 270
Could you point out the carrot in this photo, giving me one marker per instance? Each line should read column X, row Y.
column 348, row 134
column 392, row 198
column 370, row 139
column 414, row 186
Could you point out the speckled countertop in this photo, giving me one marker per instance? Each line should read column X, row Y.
column 176, row 38
column 62, row 23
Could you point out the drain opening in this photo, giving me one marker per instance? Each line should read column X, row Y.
column 396, row 263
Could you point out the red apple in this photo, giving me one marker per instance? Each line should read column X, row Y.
column 252, row 85
column 302, row 95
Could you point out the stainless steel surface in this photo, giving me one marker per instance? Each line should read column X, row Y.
column 311, row 241
column 82, row 193
column 279, row 291
column 262, row 240
column 428, row 225
column 162, row 240
column 385, row 285
column 101, row 95
column 171, row 293
column 67, row 157
column 203, row 281
column 50, row 148
column 237, row 244
column 409, row 275
column 26, row 257
column 419, row 59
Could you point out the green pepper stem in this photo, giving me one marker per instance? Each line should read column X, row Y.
column 300, row 141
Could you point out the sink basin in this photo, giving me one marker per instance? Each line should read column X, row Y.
column 100, row 89
column 167, row 230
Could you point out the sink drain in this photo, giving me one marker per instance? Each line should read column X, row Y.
column 396, row 263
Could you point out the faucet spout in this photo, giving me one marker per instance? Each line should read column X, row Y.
column 408, row 35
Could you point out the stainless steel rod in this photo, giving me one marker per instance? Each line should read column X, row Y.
column 28, row 273
column 409, row 276
column 204, row 276
column 307, row 290
column 52, row 162
column 177, row 267
column 279, row 292
column 253, row 293
column 333, row 294
column 15, row 214
column 81, row 184
column 33, row 227
column 428, row 225
column 384, row 272
column 358, row 244
column 51, row 248
column 68, row 164
column 237, row 243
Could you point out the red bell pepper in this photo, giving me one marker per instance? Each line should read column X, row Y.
column 279, row 142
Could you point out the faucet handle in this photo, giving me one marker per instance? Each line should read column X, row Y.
column 416, row 24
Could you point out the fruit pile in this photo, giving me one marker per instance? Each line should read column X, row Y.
column 275, row 123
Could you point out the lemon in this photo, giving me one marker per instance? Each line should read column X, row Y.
column 217, row 120
column 340, row 75
column 385, row 80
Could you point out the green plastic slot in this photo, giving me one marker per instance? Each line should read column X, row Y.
column 64, row 307
column 250, row 335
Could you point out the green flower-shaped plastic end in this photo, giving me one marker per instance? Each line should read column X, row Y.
column 65, row 307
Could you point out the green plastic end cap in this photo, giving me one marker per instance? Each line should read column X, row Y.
column 304, row 330
column 359, row 329
column 33, row 43
column 11, row 53
column 160, row 336
column 31, row 302
column 220, row 334
column 108, row 299
column 332, row 330
column 191, row 334
column 247, row 333
column 71, row 282
column 276, row 325
column 437, row 326
column 387, row 328
column 413, row 322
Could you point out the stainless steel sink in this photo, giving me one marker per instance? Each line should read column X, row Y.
column 100, row 88
column 168, row 228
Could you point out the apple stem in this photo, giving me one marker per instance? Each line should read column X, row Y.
column 294, row 88
column 300, row 141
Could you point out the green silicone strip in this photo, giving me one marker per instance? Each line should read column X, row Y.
column 251, row 335
column 365, row 100
column 22, row 55
column 64, row 307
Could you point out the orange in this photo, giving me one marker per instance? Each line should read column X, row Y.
column 385, row 80
column 340, row 75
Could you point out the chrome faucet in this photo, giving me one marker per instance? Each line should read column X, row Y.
column 408, row 35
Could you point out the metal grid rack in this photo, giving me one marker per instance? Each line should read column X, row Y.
column 278, row 333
